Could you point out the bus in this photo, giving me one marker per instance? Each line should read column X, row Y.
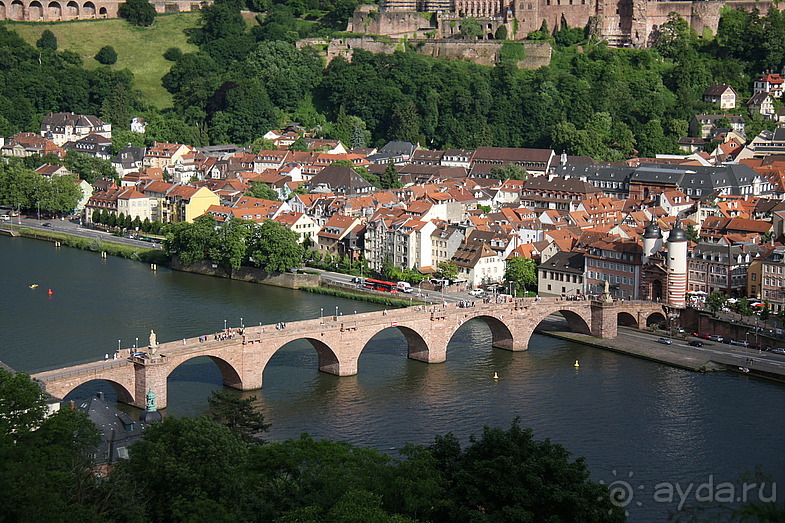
column 379, row 285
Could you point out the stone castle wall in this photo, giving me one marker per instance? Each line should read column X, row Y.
column 66, row 10
column 625, row 22
column 536, row 54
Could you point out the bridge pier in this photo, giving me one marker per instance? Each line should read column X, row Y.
column 604, row 319
column 150, row 373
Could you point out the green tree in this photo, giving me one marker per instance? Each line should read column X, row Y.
column 501, row 32
column 191, row 242
column 447, row 270
column 263, row 191
column 140, row 13
column 231, row 246
column 173, row 54
column 405, row 123
column 692, row 233
column 89, row 168
column 188, row 469
column 48, row 40
column 275, row 247
column 389, row 178
column 44, row 467
column 262, row 144
column 299, row 145
column 508, row 172
column 522, row 272
column 238, row 414
column 716, row 301
column 471, row 28
column 106, row 55
column 548, row 486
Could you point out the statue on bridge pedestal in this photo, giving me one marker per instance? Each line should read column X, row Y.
column 153, row 344
column 606, row 295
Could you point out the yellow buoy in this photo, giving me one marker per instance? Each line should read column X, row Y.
column 495, row 376
column 577, row 364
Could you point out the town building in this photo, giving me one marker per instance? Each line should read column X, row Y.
column 722, row 95
column 70, row 127
column 561, row 275
column 714, row 267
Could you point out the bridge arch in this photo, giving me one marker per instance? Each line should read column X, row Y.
column 123, row 394
column 656, row 318
column 626, row 319
column 501, row 335
column 72, row 10
column 416, row 346
column 229, row 375
column 328, row 360
column 2, row 11
column 89, row 9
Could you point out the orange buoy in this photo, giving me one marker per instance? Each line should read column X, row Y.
column 49, row 292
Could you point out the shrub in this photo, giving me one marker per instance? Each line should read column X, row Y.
column 48, row 40
column 107, row 55
column 173, row 54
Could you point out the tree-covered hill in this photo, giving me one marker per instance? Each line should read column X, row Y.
column 239, row 81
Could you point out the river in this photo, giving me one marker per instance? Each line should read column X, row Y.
column 650, row 426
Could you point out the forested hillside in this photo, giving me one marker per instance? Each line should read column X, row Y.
column 592, row 100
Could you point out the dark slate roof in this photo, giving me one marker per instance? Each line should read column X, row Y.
column 704, row 179
column 571, row 262
column 340, row 178
column 398, row 148
column 118, row 429
column 129, row 156
column 559, row 183
column 717, row 90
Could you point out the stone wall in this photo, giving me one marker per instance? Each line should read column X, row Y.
column 536, row 54
column 251, row 274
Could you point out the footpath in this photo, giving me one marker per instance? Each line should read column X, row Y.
column 698, row 359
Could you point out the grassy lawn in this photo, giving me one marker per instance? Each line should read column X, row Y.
column 139, row 49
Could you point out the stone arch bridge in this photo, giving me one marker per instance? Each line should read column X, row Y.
column 339, row 341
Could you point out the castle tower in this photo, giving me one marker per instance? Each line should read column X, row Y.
column 652, row 240
column 677, row 266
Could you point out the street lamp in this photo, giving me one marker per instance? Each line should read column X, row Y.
column 321, row 314
column 242, row 325
column 118, row 345
column 336, row 310
column 136, row 343
column 224, row 324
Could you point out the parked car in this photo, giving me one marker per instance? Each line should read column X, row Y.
column 696, row 343
column 665, row 341
column 743, row 343
column 479, row 293
column 716, row 337
column 47, row 224
column 778, row 351
column 704, row 336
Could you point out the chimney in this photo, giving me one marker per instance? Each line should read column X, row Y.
column 100, row 395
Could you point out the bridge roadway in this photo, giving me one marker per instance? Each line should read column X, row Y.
column 339, row 341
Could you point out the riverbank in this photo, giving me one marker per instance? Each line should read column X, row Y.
column 100, row 245
column 360, row 296
column 683, row 357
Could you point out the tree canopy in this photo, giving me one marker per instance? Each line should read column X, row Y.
column 522, row 272
column 137, row 12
